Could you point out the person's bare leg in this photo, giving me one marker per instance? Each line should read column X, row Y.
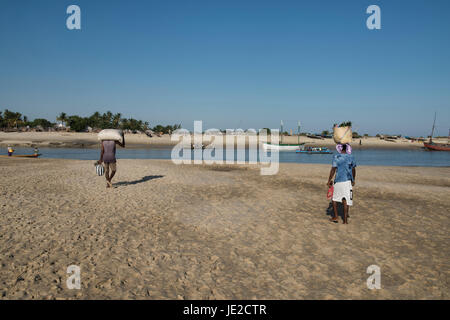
column 113, row 172
column 335, row 210
column 107, row 176
column 344, row 203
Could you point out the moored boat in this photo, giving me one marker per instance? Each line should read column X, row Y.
column 315, row 136
column 433, row 146
column 437, row 146
column 281, row 146
column 21, row 156
column 314, row 150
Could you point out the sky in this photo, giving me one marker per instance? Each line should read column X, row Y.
column 233, row 64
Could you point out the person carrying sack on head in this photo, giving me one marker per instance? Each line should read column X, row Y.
column 344, row 166
column 108, row 158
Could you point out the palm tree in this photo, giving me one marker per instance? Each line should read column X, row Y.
column 62, row 117
column 95, row 120
column 107, row 120
column 12, row 118
column 116, row 120
column 17, row 119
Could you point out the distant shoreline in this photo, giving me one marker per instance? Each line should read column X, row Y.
column 141, row 141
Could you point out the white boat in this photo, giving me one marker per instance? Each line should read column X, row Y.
column 281, row 146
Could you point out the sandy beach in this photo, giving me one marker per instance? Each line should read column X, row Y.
column 89, row 140
column 219, row 232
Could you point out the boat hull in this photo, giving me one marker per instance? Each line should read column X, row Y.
column 21, row 156
column 281, row 147
column 437, row 146
column 314, row 152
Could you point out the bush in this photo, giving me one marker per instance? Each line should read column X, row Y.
column 44, row 123
column 77, row 123
column 166, row 129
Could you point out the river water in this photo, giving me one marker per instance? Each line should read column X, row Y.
column 381, row 157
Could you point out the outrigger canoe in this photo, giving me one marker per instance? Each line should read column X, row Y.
column 21, row 156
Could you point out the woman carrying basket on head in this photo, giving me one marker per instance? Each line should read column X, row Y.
column 344, row 167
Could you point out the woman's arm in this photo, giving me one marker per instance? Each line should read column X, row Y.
column 330, row 179
column 354, row 176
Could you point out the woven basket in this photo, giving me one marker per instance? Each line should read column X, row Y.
column 342, row 135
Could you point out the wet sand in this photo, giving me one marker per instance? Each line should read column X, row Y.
column 219, row 232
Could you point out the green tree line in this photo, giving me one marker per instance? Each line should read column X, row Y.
column 107, row 120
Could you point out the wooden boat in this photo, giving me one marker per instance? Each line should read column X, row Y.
column 437, row 146
column 314, row 150
column 283, row 146
column 313, row 136
column 21, row 156
column 432, row 146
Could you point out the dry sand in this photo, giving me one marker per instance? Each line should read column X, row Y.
column 215, row 232
column 87, row 140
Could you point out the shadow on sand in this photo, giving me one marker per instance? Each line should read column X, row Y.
column 330, row 212
column 142, row 180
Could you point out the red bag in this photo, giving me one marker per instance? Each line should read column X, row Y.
column 330, row 193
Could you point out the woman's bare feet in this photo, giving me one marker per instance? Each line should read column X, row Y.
column 334, row 219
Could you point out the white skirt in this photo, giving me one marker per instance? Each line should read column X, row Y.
column 343, row 190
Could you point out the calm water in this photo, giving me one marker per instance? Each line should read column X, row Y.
column 383, row 157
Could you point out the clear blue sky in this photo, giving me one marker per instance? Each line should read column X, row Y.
column 233, row 63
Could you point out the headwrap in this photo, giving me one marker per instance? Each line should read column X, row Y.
column 348, row 148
